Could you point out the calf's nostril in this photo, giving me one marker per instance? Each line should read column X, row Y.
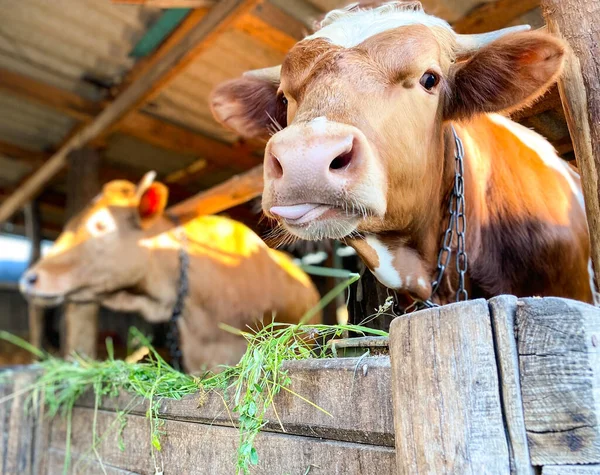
column 341, row 161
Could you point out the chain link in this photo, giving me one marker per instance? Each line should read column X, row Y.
column 182, row 291
column 457, row 226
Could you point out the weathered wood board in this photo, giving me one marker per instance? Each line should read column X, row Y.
column 205, row 449
column 502, row 311
column 201, row 436
column 344, row 387
column 447, row 407
column 559, row 356
column 23, row 433
column 571, row 470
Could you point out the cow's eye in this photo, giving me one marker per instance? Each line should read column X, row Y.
column 100, row 226
column 429, row 81
column 284, row 100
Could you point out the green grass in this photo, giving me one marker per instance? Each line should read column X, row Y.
column 254, row 381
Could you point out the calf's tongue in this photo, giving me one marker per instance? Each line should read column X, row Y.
column 294, row 211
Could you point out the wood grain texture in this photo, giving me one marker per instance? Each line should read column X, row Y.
column 23, row 433
column 559, row 363
column 502, row 311
column 571, row 470
column 578, row 22
column 206, row 449
column 493, row 15
column 356, row 392
column 447, row 409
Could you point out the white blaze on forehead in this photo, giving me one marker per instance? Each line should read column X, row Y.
column 350, row 28
column 386, row 273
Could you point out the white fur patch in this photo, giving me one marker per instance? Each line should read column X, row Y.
column 100, row 223
column 349, row 28
column 319, row 125
column 385, row 272
column 544, row 150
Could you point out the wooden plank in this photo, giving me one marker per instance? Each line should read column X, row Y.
column 137, row 124
column 571, row 470
column 261, row 30
column 502, row 311
column 33, row 232
column 47, row 95
column 235, row 191
column 493, row 15
column 212, row 449
column 560, row 379
column 32, row 157
column 447, row 410
column 169, row 3
column 172, row 137
column 578, row 22
column 22, row 431
column 220, row 17
column 56, row 464
column 345, row 387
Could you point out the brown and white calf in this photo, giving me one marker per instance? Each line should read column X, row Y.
column 362, row 150
column 124, row 253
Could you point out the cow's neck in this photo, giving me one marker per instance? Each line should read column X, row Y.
column 406, row 261
column 161, row 279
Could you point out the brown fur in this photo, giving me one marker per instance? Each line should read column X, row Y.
column 526, row 233
column 133, row 266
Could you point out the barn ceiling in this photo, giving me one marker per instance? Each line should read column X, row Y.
column 62, row 63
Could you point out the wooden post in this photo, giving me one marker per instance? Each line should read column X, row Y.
column 559, row 358
column 34, row 234
column 445, row 384
column 578, row 22
column 80, row 325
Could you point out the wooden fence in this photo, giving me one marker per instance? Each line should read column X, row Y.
column 501, row 387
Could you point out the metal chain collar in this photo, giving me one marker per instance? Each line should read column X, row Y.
column 182, row 292
column 457, row 225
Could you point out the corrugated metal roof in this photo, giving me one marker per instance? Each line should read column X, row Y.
column 63, row 41
column 30, row 125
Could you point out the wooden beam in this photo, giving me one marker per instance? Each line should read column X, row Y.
column 578, row 22
column 265, row 33
column 493, row 15
column 63, row 101
column 172, row 137
column 169, row 3
column 33, row 157
column 237, row 190
column 219, row 18
column 137, row 124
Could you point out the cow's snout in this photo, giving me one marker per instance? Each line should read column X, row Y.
column 322, row 171
column 321, row 158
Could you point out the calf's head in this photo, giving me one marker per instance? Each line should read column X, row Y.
column 98, row 251
column 357, row 114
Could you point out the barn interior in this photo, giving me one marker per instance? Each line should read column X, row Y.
column 97, row 90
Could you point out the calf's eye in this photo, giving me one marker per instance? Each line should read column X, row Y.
column 100, row 226
column 284, row 100
column 429, row 81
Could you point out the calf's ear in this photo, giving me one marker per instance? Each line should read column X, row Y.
column 248, row 106
column 508, row 74
column 152, row 200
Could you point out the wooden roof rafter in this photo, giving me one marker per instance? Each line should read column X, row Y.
column 157, row 74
